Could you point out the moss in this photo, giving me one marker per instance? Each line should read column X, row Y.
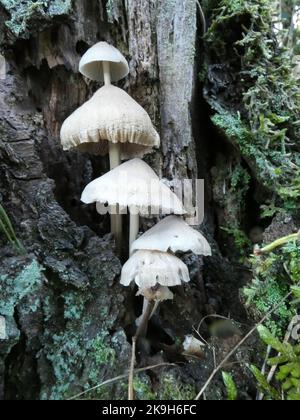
column 14, row 289
column 143, row 389
column 273, row 276
column 22, row 11
column 241, row 241
column 172, row 390
column 104, row 355
column 266, row 130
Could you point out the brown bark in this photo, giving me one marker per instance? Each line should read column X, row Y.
column 66, row 331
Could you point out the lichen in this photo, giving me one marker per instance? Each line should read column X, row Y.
column 21, row 12
column 72, row 355
column 74, row 304
column 14, row 289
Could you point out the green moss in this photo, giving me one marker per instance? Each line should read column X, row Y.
column 241, row 241
column 103, row 354
column 22, row 11
column 274, row 275
column 14, row 289
column 286, row 385
column 143, row 389
column 266, row 131
column 171, row 390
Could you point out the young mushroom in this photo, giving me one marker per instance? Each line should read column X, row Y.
column 111, row 122
column 136, row 186
column 153, row 272
column 172, row 234
column 102, row 61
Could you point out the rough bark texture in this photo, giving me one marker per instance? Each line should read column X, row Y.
column 62, row 308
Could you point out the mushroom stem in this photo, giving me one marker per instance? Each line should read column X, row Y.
column 115, row 160
column 116, row 219
column 134, row 228
column 145, row 303
column 106, row 73
column 114, row 155
column 147, row 311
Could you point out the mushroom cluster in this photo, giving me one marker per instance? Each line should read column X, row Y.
column 111, row 122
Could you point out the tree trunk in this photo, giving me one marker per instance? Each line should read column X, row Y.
column 65, row 322
column 63, row 312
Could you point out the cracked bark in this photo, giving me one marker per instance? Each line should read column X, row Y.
column 63, row 332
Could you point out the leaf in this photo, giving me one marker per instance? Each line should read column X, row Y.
column 283, row 348
column 264, row 385
column 284, row 371
column 274, row 361
column 293, row 396
column 296, row 291
column 231, row 389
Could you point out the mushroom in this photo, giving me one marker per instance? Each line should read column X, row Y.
column 103, row 60
column 171, row 234
column 175, row 235
column 150, row 270
column 111, row 122
column 134, row 185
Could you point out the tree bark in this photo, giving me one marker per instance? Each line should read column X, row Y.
column 63, row 311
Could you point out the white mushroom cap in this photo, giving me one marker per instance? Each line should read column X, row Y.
column 111, row 115
column 135, row 185
column 91, row 62
column 149, row 268
column 173, row 234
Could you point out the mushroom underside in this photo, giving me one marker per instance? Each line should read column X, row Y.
column 101, row 148
column 149, row 269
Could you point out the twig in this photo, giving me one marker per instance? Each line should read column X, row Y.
column 131, row 371
column 260, row 395
column 211, row 316
column 231, row 353
column 119, row 378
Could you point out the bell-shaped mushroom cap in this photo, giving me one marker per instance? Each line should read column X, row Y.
column 135, row 185
column 91, row 62
column 149, row 268
column 111, row 115
column 173, row 234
